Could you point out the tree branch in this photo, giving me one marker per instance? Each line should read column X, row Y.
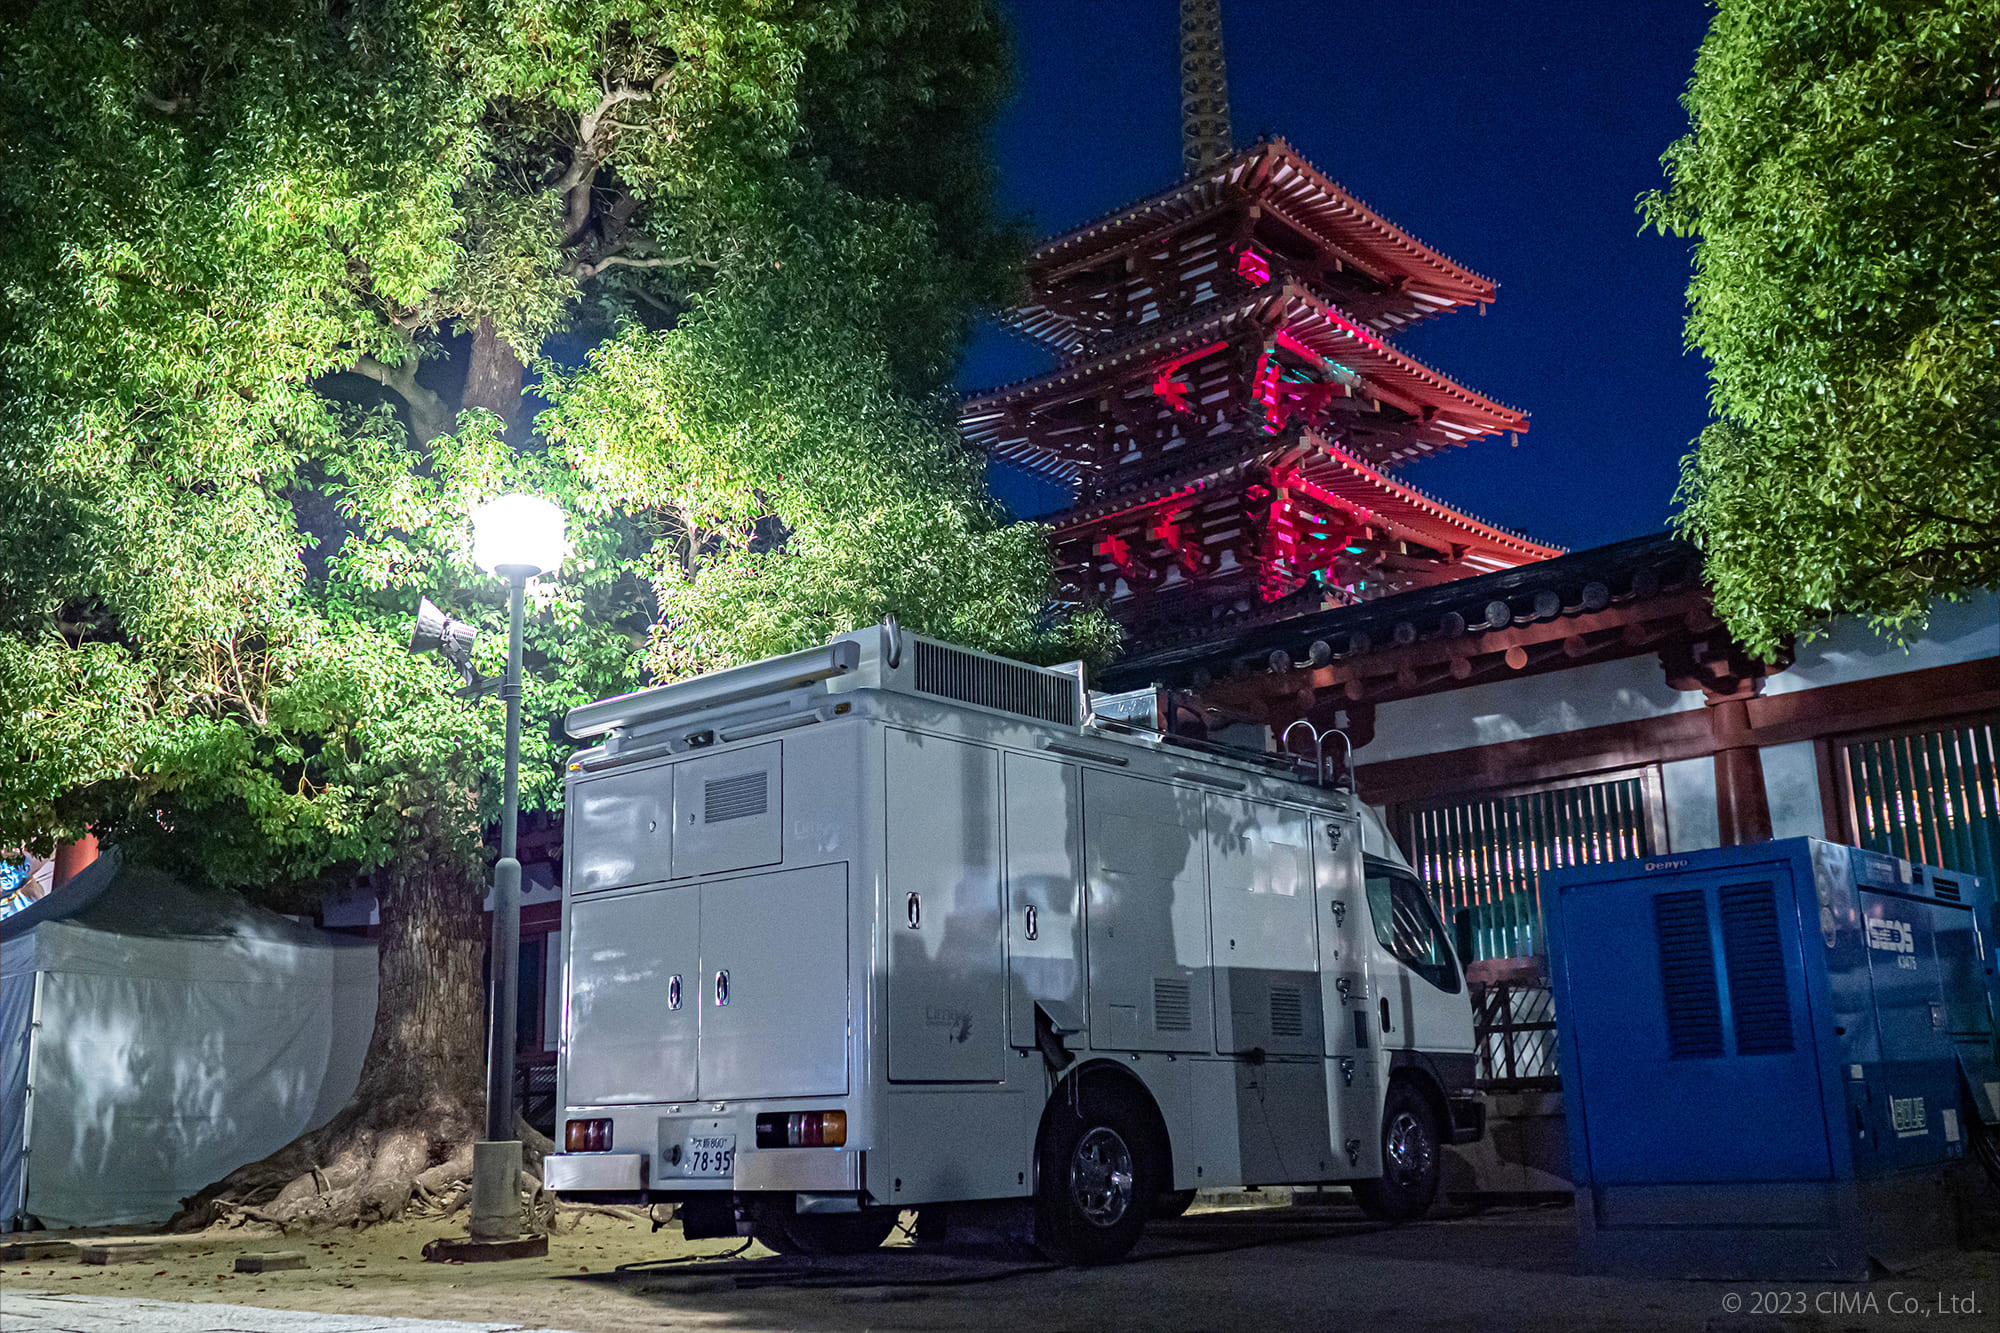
column 585, row 272
column 430, row 417
column 575, row 184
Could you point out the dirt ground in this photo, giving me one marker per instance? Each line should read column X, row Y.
column 1283, row 1268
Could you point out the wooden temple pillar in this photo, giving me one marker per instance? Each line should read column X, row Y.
column 1742, row 806
column 1729, row 676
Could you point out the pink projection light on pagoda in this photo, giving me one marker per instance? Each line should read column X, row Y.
column 1227, row 408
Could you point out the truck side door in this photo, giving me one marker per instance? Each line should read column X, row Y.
column 1347, row 995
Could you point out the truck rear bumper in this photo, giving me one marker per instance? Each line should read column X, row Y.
column 785, row 1170
column 816, row 1170
column 594, row 1171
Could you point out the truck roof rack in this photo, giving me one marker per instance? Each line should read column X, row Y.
column 1293, row 767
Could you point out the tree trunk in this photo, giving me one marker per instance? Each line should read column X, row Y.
column 493, row 378
column 409, row 1128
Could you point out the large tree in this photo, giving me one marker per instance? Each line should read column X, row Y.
column 1842, row 178
column 287, row 288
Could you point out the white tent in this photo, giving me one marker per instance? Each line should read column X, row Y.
column 153, row 1039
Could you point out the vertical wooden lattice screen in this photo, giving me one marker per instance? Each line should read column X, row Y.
column 1487, row 853
column 1931, row 796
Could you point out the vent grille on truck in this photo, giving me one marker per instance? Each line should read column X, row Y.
column 1288, row 1012
column 1173, row 1008
column 739, row 797
column 1687, row 975
column 989, row 683
column 1946, row 889
column 1758, row 1001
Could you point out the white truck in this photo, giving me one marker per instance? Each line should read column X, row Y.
column 892, row 924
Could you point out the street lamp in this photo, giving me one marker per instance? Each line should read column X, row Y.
column 517, row 537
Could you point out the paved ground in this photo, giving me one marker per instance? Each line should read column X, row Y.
column 1269, row 1269
column 47, row 1312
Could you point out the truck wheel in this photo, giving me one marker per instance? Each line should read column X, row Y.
column 1098, row 1178
column 1409, row 1181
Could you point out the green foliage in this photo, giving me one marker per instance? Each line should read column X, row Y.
column 249, row 254
column 1842, row 177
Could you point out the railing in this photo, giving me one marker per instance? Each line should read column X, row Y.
column 1514, row 1035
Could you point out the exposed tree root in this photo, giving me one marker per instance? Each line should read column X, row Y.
column 357, row 1170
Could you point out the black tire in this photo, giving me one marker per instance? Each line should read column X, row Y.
column 821, row 1235
column 1171, row 1204
column 1410, row 1159
column 1097, row 1175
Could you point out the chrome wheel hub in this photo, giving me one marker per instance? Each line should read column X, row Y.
column 1408, row 1149
column 1100, row 1177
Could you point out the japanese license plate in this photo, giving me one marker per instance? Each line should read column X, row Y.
column 709, row 1155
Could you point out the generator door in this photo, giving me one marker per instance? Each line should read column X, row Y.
column 727, row 810
column 947, row 984
column 630, row 1020
column 1260, row 904
column 620, row 829
column 1148, row 915
column 772, row 992
column 1044, row 827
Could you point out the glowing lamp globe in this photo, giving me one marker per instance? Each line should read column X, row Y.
column 518, row 536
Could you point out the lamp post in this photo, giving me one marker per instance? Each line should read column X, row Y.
column 517, row 537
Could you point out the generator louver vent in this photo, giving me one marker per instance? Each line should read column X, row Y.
column 734, row 798
column 1687, row 975
column 1172, row 1009
column 1755, row 965
column 988, row 683
column 1946, row 889
column 1288, row 1012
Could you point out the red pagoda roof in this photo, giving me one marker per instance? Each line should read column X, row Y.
column 1275, row 174
column 1448, row 413
column 1486, row 546
column 1344, row 481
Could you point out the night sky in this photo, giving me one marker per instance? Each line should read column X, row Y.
column 1513, row 137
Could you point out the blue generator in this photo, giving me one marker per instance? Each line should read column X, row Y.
column 1773, row 1056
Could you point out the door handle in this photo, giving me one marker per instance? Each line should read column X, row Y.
column 722, row 988
column 674, row 991
column 914, row 910
column 1385, row 1013
column 1028, row 925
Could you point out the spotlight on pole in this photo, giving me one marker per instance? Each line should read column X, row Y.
column 448, row 638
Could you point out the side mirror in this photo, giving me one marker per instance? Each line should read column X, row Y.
column 1461, row 934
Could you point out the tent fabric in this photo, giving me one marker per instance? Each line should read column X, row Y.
column 17, row 1017
column 179, row 1035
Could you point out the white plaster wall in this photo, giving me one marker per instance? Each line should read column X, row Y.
column 1688, row 787
column 1791, row 785
column 1958, row 632
column 1635, row 687
column 1512, row 710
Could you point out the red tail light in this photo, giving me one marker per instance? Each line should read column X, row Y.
column 803, row 1129
column 587, row 1136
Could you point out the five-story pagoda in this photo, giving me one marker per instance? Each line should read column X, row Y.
column 1227, row 408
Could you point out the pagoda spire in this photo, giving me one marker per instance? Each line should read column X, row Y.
column 1205, row 138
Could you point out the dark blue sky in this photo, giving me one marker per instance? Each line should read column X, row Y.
column 1513, row 137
